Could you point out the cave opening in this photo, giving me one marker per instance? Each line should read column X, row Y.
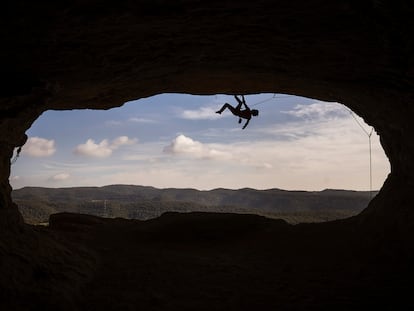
column 177, row 141
column 98, row 55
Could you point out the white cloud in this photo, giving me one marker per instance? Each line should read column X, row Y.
column 202, row 113
column 184, row 144
column 187, row 146
column 141, row 120
column 60, row 177
column 135, row 157
column 335, row 156
column 311, row 147
column 256, row 155
column 328, row 151
column 122, row 140
column 318, row 110
column 39, row 147
column 265, row 165
column 117, row 123
column 91, row 149
column 103, row 149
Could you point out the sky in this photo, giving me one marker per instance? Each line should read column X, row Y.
column 177, row 140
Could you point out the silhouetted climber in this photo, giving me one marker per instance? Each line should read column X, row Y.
column 246, row 113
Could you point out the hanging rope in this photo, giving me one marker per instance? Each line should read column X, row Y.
column 16, row 156
column 268, row 99
column 369, row 134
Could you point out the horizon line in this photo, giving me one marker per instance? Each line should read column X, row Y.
column 190, row 188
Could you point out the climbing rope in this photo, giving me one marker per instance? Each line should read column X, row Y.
column 16, row 156
column 369, row 134
column 268, row 99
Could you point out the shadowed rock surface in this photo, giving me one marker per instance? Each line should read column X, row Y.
column 97, row 54
column 199, row 261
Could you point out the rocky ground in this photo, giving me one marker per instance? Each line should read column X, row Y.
column 200, row 261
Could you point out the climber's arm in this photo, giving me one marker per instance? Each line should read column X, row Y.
column 247, row 122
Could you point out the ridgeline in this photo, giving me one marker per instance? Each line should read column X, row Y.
column 140, row 202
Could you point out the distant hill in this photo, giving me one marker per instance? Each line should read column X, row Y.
column 139, row 202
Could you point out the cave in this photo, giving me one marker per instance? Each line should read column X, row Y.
column 98, row 55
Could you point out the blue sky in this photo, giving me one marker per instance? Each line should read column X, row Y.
column 177, row 140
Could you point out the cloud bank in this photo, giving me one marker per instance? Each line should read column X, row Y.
column 60, row 177
column 103, row 149
column 187, row 146
column 141, row 120
column 202, row 113
column 39, row 147
column 318, row 111
column 302, row 144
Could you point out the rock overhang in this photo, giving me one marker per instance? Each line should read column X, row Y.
column 77, row 55
column 98, row 55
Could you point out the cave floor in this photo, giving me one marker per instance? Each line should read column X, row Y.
column 199, row 261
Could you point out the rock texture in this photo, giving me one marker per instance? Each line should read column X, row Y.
column 99, row 54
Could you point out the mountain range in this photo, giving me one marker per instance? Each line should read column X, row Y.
column 141, row 202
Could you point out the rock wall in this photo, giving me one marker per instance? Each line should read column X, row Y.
column 99, row 54
column 93, row 54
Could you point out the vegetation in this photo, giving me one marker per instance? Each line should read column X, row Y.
column 138, row 202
